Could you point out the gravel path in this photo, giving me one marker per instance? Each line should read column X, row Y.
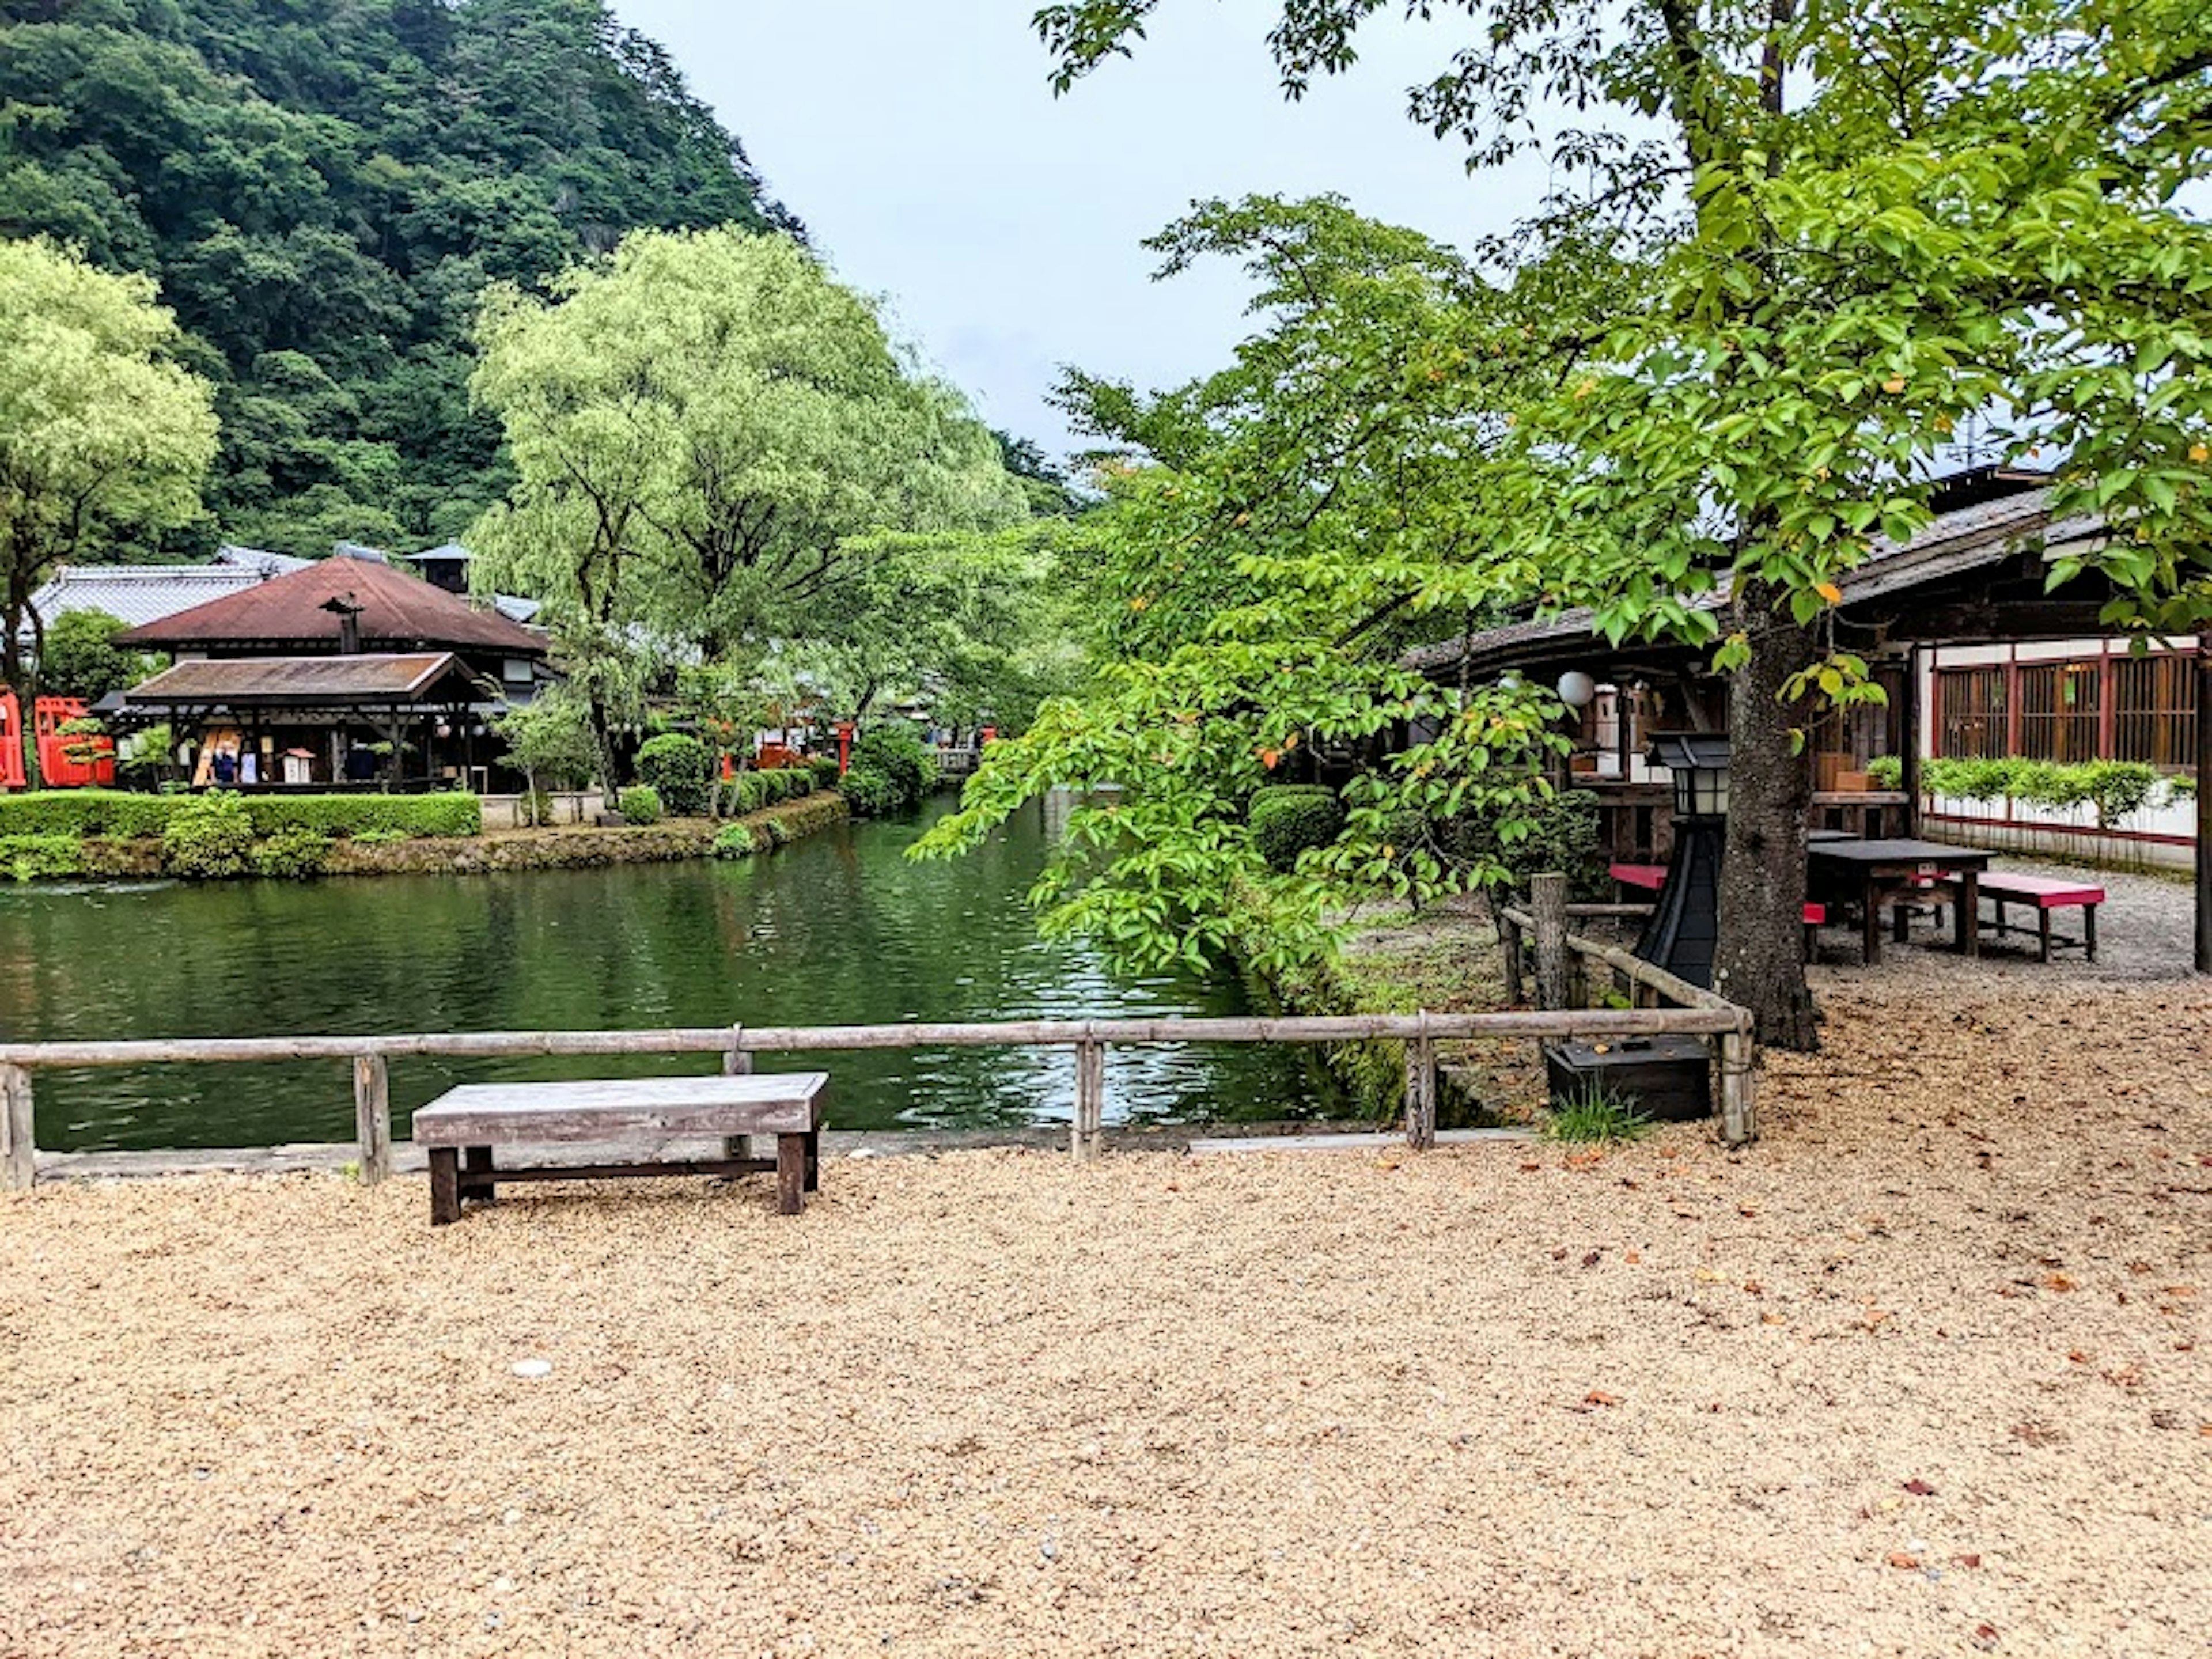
column 1922, row 1373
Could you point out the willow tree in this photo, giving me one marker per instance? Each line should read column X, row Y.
column 701, row 426
column 104, row 436
column 1817, row 238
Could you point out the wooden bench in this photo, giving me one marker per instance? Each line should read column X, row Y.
column 462, row 1128
column 2045, row 894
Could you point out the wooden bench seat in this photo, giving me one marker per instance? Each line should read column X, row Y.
column 468, row 1122
column 2045, row 894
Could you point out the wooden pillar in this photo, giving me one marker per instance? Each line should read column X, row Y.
column 1908, row 719
column 1509, row 945
column 1089, row 1140
column 2204, row 805
column 1548, row 903
column 18, row 1167
column 372, row 1116
column 1421, row 1089
column 1739, row 1112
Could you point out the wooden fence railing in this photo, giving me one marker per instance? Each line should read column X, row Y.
column 370, row 1056
column 1564, row 962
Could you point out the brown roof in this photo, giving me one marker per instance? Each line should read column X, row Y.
column 397, row 611
column 428, row 677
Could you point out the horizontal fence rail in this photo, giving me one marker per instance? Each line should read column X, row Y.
column 370, row 1056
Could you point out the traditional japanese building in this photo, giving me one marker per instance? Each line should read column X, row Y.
column 344, row 671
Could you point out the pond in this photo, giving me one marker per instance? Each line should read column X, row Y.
column 840, row 928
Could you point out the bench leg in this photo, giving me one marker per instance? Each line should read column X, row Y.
column 814, row 1160
column 2089, row 931
column 1901, row 917
column 444, row 1186
column 2042, row 932
column 477, row 1163
column 790, row 1173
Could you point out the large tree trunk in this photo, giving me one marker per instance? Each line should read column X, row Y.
column 603, row 740
column 1759, row 964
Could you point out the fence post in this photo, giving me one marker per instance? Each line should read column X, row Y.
column 1509, row 941
column 372, row 1116
column 1090, row 1135
column 1548, row 904
column 1421, row 1088
column 737, row 1062
column 1739, row 1108
column 18, row 1157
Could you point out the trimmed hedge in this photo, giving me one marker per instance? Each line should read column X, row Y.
column 1287, row 819
column 2115, row 788
column 1559, row 833
column 735, row 841
column 895, row 754
column 209, row 838
column 681, row 769
column 824, row 769
column 640, row 803
column 777, row 784
column 869, row 793
column 117, row 813
column 29, row 858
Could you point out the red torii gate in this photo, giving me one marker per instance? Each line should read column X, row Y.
column 11, row 741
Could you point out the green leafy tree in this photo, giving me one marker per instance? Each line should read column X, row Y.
column 79, row 658
column 1808, row 244
column 104, row 437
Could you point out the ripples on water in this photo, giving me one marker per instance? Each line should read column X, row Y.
column 839, row 929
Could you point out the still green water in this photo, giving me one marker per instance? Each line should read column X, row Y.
column 838, row 929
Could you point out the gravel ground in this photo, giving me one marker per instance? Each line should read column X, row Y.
column 1921, row 1373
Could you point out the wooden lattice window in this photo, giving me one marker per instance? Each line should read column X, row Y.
column 1973, row 701
column 2060, row 716
column 2154, row 711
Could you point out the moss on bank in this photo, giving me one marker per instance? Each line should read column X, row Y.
column 562, row 846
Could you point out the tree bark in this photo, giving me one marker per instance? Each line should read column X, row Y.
column 1759, row 964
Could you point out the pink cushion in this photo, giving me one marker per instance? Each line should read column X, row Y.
column 1816, row 914
column 2045, row 892
column 1651, row 876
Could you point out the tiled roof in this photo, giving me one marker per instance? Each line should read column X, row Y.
column 138, row 594
column 396, row 610
column 417, row 677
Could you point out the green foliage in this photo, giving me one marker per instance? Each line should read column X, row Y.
column 824, row 770
column 323, row 194
column 548, row 739
column 640, row 803
column 292, row 855
column 209, row 838
column 104, row 436
column 680, row 767
column 1558, row 832
column 737, row 840
column 869, row 793
column 894, row 751
column 1288, row 819
column 83, row 812
column 30, row 858
column 1595, row 1116
column 2113, row 788
column 380, row 837
column 761, row 788
column 79, row 658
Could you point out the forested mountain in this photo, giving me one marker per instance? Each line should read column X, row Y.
column 322, row 188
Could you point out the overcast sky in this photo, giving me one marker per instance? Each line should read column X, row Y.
column 920, row 144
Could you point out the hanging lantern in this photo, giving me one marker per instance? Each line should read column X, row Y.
column 1576, row 689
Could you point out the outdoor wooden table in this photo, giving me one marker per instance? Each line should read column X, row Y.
column 476, row 1117
column 1879, row 870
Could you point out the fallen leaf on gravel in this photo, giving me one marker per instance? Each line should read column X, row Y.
column 1600, row 1397
column 1919, row 1488
column 1745, row 1210
column 1591, row 1259
column 1633, row 1257
column 2138, row 1266
column 2181, row 1290
column 1753, row 1287
column 1530, row 1169
column 1707, row 1276
column 1969, row 1561
column 1560, row 1255
column 2059, row 1282
column 1873, row 1316
column 2077, row 1356
column 1772, row 1319
column 1899, row 1558
column 1984, row 1635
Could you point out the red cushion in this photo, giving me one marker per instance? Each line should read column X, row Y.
column 1651, row 876
column 1816, row 914
column 2045, row 892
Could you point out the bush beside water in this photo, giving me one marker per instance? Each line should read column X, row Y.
column 1288, row 819
column 117, row 813
column 891, row 769
column 639, row 804
column 681, row 768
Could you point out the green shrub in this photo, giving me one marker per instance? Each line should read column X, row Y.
column 679, row 767
column 373, row 837
column 1287, row 819
column 209, row 837
column 86, row 812
column 824, row 769
column 293, row 854
column 758, row 789
column 868, row 792
column 1557, row 833
column 736, row 841
column 452, row 812
column 640, row 803
column 895, row 754
column 28, row 858
column 2112, row 788
column 1595, row 1116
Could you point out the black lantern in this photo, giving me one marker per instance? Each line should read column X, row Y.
column 1683, row 931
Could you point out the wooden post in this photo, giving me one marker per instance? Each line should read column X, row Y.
column 18, row 1165
column 1908, row 719
column 1548, row 905
column 1508, row 943
column 737, row 1062
column 1089, row 1140
column 1739, row 1114
column 1421, row 1090
column 372, row 1116
column 2204, row 804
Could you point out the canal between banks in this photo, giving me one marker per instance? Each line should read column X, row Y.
column 839, row 929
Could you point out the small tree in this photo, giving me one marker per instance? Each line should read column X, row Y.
column 79, row 658
column 549, row 739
